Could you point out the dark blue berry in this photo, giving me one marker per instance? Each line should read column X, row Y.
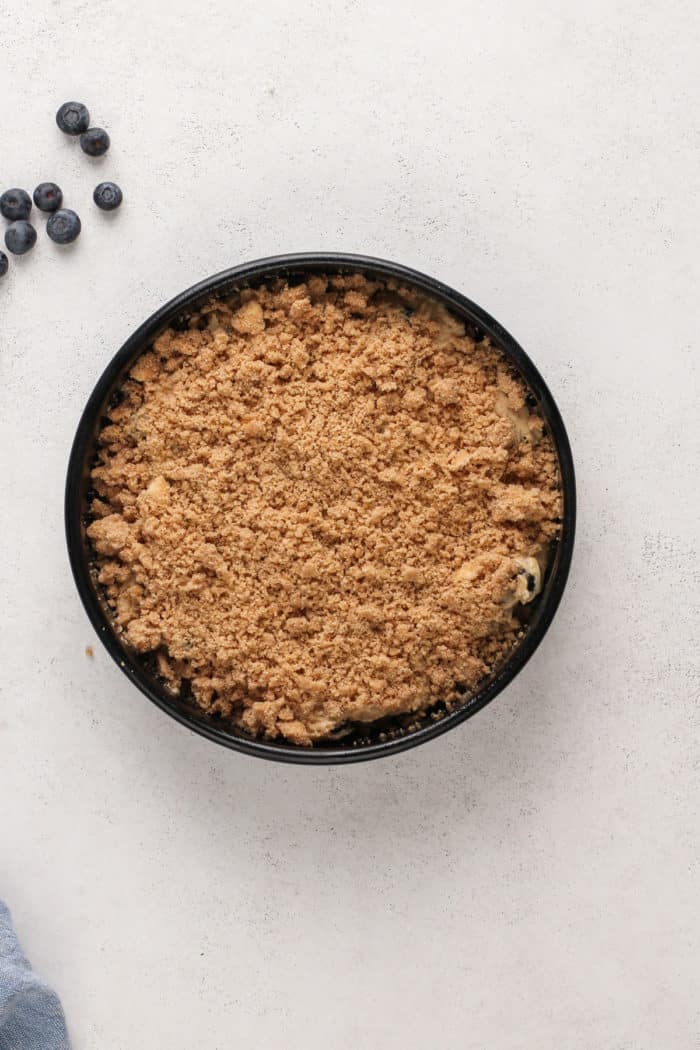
column 15, row 204
column 94, row 142
column 63, row 226
column 48, row 196
column 4, row 264
column 20, row 237
column 107, row 196
column 73, row 118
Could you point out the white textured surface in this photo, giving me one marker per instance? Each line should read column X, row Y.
column 532, row 879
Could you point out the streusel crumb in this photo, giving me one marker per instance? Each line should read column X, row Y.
column 320, row 505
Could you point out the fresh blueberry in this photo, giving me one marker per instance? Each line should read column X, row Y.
column 63, row 226
column 4, row 264
column 94, row 142
column 20, row 237
column 15, row 204
column 48, row 196
column 73, row 118
column 107, row 196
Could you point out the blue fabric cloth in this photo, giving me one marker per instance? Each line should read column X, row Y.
column 31, row 1017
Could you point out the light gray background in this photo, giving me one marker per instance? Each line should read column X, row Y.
column 531, row 880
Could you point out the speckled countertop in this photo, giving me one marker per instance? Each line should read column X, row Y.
column 531, row 879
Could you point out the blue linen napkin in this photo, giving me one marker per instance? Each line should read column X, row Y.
column 31, row 1016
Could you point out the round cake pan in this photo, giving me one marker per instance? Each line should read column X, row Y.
column 367, row 741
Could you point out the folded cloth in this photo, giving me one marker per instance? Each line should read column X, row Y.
column 31, row 1016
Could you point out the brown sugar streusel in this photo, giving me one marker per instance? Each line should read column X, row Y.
column 321, row 504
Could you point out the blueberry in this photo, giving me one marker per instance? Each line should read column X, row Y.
column 4, row 264
column 63, row 226
column 20, row 237
column 94, row 142
column 73, row 118
column 48, row 196
column 107, row 196
column 15, row 204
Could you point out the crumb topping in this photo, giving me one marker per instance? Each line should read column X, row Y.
column 320, row 504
